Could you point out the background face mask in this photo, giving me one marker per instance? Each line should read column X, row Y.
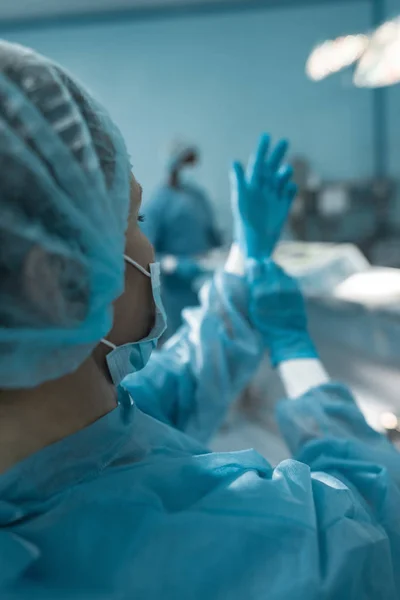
column 133, row 356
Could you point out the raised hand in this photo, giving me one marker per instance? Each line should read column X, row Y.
column 261, row 199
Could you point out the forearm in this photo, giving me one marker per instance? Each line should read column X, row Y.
column 299, row 376
column 192, row 381
column 224, row 352
column 277, row 310
column 325, row 424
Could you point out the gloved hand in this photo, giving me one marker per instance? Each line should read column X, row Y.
column 188, row 269
column 277, row 311
column 261, row 199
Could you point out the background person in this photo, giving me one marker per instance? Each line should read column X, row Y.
column 180, row 224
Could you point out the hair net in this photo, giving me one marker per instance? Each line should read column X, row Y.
column 64, row 202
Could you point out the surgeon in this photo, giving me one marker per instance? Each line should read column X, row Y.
column 180, row 224
column 108, row 489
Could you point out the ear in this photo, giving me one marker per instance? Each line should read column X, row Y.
column 42, row 285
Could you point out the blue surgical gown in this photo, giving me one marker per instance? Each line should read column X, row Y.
column 179, row 222
column 134, row 506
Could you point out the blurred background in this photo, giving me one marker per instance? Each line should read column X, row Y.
column 323, row 73
column 218, row 73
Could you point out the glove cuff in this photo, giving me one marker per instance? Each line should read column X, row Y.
column 258, row 269
column 292, row 347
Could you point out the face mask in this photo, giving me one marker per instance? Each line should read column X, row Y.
column 133, row 356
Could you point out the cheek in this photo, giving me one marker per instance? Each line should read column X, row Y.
column 143, row 250
column 138, row 247
column 134, row 310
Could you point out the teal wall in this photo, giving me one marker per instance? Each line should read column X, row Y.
column 220, row 79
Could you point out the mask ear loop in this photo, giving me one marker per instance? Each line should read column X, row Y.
column 135, row 264
column 142, row 270
column 109, row 344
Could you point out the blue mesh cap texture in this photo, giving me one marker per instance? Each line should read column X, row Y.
column 64, row 205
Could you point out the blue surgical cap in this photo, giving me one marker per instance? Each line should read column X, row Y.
column 64, row 204
column 177, row 150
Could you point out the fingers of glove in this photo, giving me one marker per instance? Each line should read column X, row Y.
column 283, row 177
column 237, row 179
column 282, row 209
column 277, row 155
column 257, row 161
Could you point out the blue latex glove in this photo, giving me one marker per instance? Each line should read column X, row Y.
column 261, row 199
column 261, row 202
column 277, row 311
column 188, row 269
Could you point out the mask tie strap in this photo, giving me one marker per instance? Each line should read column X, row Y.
column 135, row 264
column 109, row 344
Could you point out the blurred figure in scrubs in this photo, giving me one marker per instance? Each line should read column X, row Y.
column 108, row 489
column 180, row 224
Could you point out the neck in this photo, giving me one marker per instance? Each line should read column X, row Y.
column 33, row 419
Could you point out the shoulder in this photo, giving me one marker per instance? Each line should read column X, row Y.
column 241, row 521
column 195, row 190
column 158, row 196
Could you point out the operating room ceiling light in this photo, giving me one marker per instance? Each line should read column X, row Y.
column 378, row 57
column 380, row 64
column 334, row 55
